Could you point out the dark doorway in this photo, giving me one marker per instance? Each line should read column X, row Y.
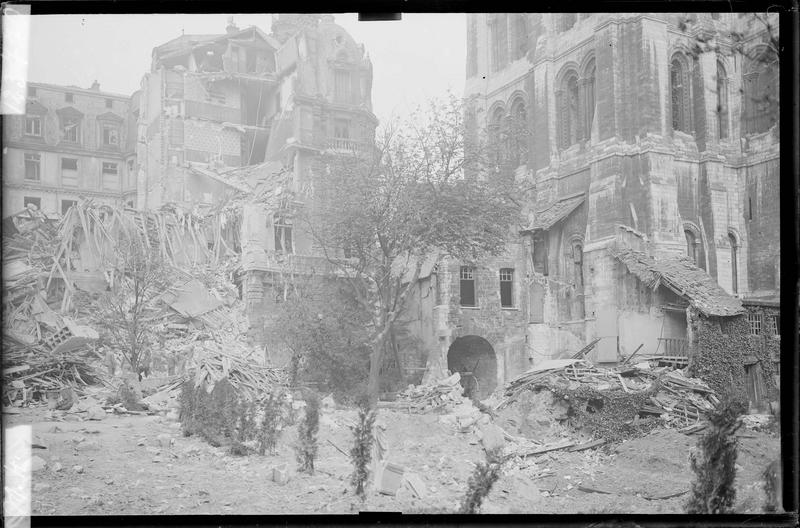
column 474, row 358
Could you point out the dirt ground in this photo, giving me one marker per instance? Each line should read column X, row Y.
column 126, row 470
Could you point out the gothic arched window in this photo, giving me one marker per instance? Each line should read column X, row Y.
column 518, row 131
column 680, row 95
column 734, row 263
column 722, row 101
column 691, row 245
column 568, row 100
column 520, row 46
column 761, row 97
column 497, row 133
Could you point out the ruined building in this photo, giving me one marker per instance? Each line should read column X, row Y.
column 71, row 142
column 632, row 147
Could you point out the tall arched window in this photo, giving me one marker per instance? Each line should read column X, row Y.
column 680, row 94
column 520, row 27
column 499, row 31
column 588, row 77
column 734, row 263
column 568, row 100
column 691, row 245
column 497, row 133
column 518, row 131
column 761, row 96
column 722, row 101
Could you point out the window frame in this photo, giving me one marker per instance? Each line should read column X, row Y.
column 283, row 225
column 76, row 130
column 467, row 276
column 755, row 324
column 69, row 182
column 507, row 278
column 35, row 159
column 34, row 119
column 110, row 127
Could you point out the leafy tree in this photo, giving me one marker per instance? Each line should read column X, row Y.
column 376, row 216
column 361, row 453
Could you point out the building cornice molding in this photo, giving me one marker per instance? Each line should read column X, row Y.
column 62, row 189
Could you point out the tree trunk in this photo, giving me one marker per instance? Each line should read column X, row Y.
column 375, row 362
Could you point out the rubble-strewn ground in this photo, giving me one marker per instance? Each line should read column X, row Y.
column 126, row 470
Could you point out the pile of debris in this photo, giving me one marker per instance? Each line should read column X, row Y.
column 641, row 390
column 428, row 398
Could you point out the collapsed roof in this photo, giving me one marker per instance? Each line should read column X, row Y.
column 551, row 215
column 682, row 277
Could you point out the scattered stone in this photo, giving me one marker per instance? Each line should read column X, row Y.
column 328, row 404
column 57, row 467
column 165, row 440
column 153, row 450
column 37, row 463
column 140, row 442
column 95, row 413
column 54, row 429
column 109, row 481
column 40, row 487
column 77, row 469
column 157, row 460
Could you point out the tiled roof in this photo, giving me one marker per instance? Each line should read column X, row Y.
column 547, row 218
column 684, row 278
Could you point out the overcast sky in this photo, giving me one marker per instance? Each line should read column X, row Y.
column 419, row 57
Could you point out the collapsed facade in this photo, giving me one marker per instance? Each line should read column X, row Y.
column 654, row 180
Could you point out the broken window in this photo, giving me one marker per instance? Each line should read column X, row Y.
column 775, row 324
column 506, row 287
column 110, row 176
column 33, row 126
column 110, row 135
column 754, row 321
column 70, row 129
column 467, row 286
column 69, row 171
column 30, row 200
column 283, row 235
column 33, row 167
column 66, row 204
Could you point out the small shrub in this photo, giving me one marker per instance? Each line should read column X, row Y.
column 306, row 447
column 714, row 465
column 481, row 481
column 361, row 453
column 270, row 427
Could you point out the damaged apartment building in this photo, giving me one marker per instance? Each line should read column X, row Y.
column 653, row 175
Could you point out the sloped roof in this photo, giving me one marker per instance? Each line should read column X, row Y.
column 684, row 278
column 35, row 108
column 404, row 268
column 110, row 116
column 548, row 217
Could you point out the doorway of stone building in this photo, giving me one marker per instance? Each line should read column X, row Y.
column 474, row 358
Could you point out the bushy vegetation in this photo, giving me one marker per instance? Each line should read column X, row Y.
column 224, row 418
column 481, row 481
column 306, row 447
column 324, row 328
column 714, row 464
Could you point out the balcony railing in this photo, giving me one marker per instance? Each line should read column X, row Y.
column 673, row 347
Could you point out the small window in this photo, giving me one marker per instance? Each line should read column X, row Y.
column 109, row 103
column 283, row 235
column 69, row 164
column 33, row 167
column 110, row 135
column 66, row 204
column 35, row 202
column 69, row 98
column 754, row 321
column 507, row 287
column 69, row 172
column 775, row 324
column 467, row 286
column 31, row 91
column 33, row 126
column 110, row 168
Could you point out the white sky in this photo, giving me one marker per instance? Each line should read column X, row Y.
column 419, row 57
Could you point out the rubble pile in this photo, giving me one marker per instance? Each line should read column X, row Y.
column 430, row 397
column 578, row 389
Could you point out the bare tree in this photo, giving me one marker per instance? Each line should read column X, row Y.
column 378, row 216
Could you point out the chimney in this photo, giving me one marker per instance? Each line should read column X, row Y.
column 95, row 86
column 231, row 28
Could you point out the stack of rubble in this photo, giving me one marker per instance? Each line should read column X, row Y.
column 428, row 398
column 676, row 398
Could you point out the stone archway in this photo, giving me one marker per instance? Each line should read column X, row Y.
column 474, row 354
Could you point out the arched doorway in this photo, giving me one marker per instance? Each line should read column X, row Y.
column 474, row 358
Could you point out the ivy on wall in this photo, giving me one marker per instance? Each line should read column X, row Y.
column 724, row 347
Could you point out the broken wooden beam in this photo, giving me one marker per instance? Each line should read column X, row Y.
column 587, row 445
